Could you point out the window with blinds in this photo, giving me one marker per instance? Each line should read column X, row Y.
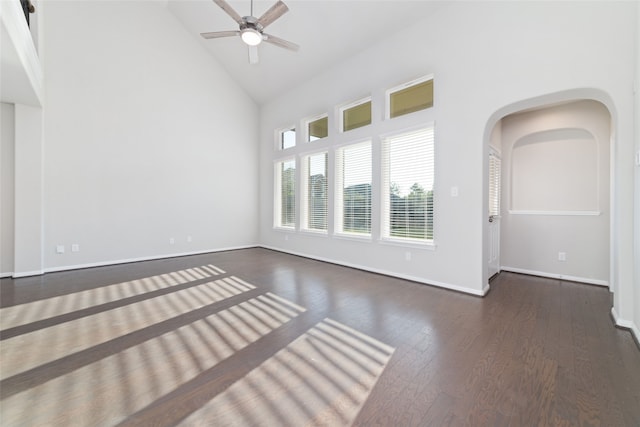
column 407, row 183
column 356, row 115
column 285, row 189
column 314, row 198
column 287, row 138
column 494, row 185
column 353, row 189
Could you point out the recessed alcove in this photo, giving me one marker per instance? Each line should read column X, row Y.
column 555, row 171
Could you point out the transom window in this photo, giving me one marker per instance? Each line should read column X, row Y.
column 287, row 138
column 410, row 97
column 318, row 128
column 356, row 115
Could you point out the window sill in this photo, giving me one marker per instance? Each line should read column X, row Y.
column 430, row 246
column 556, row 213
column 319, row 233
column 353, row 236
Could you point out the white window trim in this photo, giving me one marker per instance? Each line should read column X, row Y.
column 277, row 196
column 278, row 138
column 304, row 192
column 388, row 92
column 384, row 207
column 313, row 119
column 340, row 112
column 338, row 193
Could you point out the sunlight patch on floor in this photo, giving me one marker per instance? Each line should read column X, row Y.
column 42, row 309
column 322, row 378
column 113, row 388
column 48, row 344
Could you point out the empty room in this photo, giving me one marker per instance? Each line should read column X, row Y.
column 319, row 213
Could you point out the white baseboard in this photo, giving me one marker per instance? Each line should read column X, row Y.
column 462, row 289
column 7, row 274
column 626, row 324
column 27, row 273
column 556, row 276
column 125, row 261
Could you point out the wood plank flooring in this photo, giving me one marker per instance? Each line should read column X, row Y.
column 259, row 338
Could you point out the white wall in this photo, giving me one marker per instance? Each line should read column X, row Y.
column 485, row 56
column 7, row 154
column 555, row 164
column 636, row 325
column 146, row 138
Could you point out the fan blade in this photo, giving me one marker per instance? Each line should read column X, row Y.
column 230, row 11
column 274, row 12
column 218, row 34
column 253, row 54
column 280, row 42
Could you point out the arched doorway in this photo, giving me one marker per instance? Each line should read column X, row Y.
column 555, row 214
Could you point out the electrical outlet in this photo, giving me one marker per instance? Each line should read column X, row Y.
column 454, row 191
column 171, row 240
column 75, row 247
column 60, row 249
column 407, row 256
column 189, row 239
column 562, row 256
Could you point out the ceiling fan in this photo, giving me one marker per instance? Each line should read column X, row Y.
column 252, row 29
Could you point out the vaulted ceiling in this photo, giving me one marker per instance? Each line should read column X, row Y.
column 328, row 32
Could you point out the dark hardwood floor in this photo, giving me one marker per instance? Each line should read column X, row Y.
column 256, row 337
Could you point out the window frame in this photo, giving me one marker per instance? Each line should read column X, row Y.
column 342, row 108
column 385, row 193
column 338, row 196
column 277, row 190
column 279, row 141
column 406, row 85
column 305, row 196
column 310, row 120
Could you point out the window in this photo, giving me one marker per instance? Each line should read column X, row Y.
column 410, row 97
column 353, row 189
column 285, row 189
column 407, row 174
column 494, row 184
column 315, row 192
column 287, row 138
column 356, row 115
column 318, row 128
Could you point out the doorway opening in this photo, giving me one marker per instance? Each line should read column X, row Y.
column 554, row 218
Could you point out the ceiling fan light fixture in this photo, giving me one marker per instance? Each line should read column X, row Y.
column 251, row 37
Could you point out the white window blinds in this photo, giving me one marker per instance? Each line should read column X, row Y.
column 407, row 182
column 494, row 185
column 315, row 192
column 285, row 186
column 353, row 189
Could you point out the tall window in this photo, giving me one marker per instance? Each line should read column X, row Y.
column 494, row 185
column 353, row 189
column 285, row 189
column 315, row 192
column 407, row 173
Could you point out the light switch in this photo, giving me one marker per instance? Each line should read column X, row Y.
column 75, row 247
column 60, row 249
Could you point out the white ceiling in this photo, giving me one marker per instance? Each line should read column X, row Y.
column 328, row 32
